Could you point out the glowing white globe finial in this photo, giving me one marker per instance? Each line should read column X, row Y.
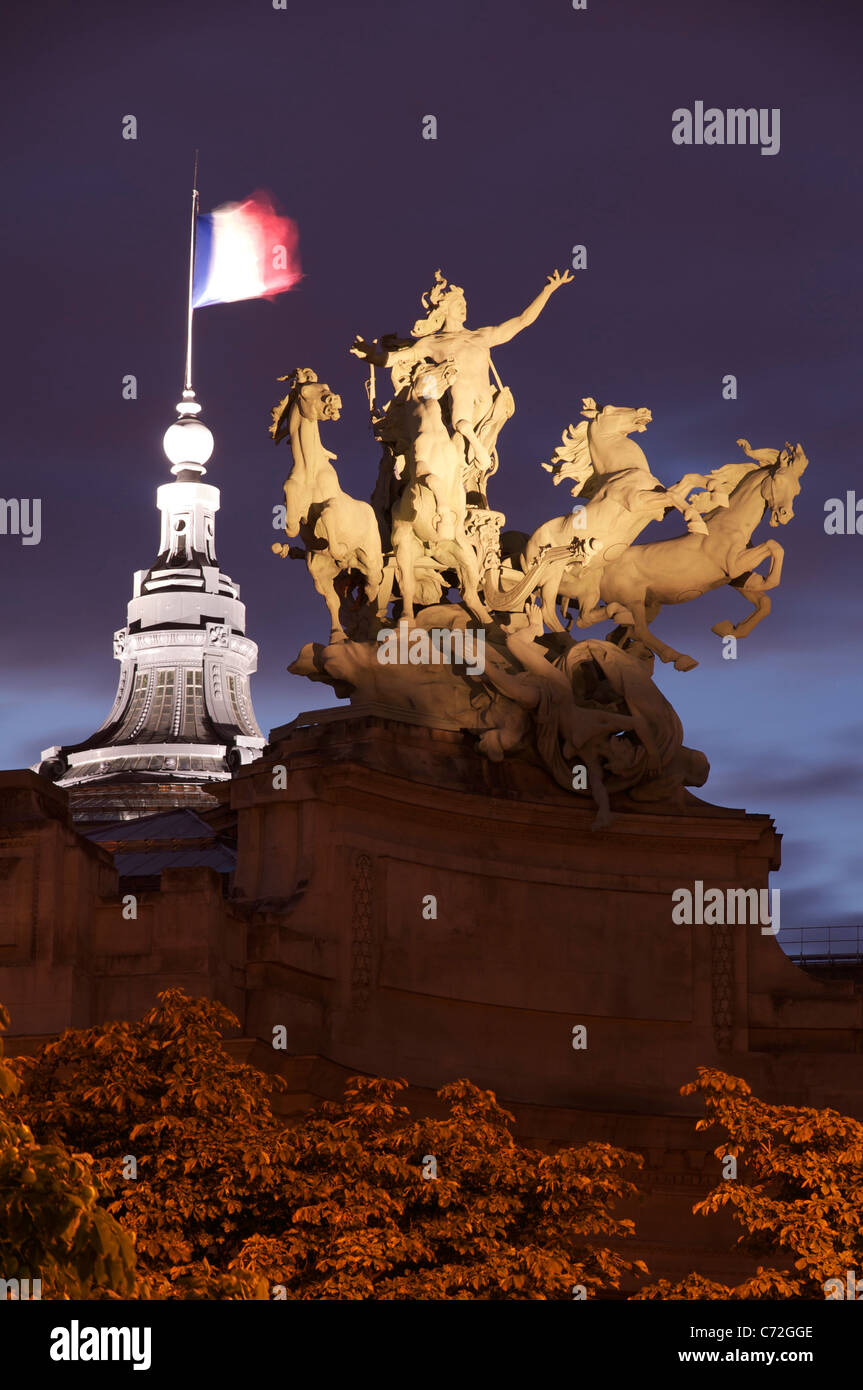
column 188, row 443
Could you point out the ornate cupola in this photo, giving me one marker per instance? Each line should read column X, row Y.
column 183, row 717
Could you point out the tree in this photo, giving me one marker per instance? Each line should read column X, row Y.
column 52, row 1227
column 178, row 1132
column 798, row 1199
column 386, row 1207
column 357, row 1200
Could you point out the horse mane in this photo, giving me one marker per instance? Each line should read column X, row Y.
column 728, row 477
column 571, row 458
column 278, row 429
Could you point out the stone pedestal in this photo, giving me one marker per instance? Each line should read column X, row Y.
column 353, row 823
column 415, row 910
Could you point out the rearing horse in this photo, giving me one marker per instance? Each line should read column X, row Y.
column 612, row 473
column 340, row 533
column 646, row 577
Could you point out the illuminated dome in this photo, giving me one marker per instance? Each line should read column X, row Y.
column 182, row 717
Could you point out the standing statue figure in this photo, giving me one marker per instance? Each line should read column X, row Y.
column 428, row 517
column 476, row 411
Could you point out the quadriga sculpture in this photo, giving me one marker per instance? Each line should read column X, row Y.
column 340, row 533
column 536, row 693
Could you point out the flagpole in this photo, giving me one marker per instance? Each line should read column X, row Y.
column 189, row 309
column 188, row 443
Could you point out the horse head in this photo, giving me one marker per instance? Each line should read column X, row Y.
column 307, row 398
column 782, row 484
column 598, row 445
column 607, row 428
column 609, row 420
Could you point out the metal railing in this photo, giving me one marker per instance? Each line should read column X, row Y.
column 822, row 945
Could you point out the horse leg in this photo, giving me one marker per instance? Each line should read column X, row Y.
column 590, row 610
column 373, row 571
column 641, row 630
column 405, row 553
column 548, row 601
column 695, row 523
column 761, row 605
column 473, row 600
column 754, row 555
column 322, row 578
column 386, row 590
column 468, row 567
column 297, row 502
column 687, row 484
column 444, row 519
column 548, row 592
column 373, row 575
column 677, row 497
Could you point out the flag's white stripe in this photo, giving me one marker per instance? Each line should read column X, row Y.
column 235, row 271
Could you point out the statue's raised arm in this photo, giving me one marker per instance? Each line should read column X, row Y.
column 508, row 330
column 477, row 411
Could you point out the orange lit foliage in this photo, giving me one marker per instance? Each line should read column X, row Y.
column 52, row 1227
column 164, row 1092
column 227, row 1202
column 498, row 1220
column 798, row 1196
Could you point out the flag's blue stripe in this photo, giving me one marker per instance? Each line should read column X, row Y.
column 203, row 259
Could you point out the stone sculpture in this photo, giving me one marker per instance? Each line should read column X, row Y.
column 476, row 411
column 644, row 578
column 427, row 562
column 612, row 473
column 428, row 516
column 340, row 533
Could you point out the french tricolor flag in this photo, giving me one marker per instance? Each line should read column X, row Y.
column 244, row 251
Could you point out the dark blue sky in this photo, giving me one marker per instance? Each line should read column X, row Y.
column 554, row 129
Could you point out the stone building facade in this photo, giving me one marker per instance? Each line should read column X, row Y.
column 346, row 831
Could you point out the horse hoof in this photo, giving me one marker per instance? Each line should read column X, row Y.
column 685, row 663
column 723, row 629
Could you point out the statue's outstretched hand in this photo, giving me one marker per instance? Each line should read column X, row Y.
column 556, row 279
column 360, row 348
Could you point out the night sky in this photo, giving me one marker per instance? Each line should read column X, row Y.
column 554, row 129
